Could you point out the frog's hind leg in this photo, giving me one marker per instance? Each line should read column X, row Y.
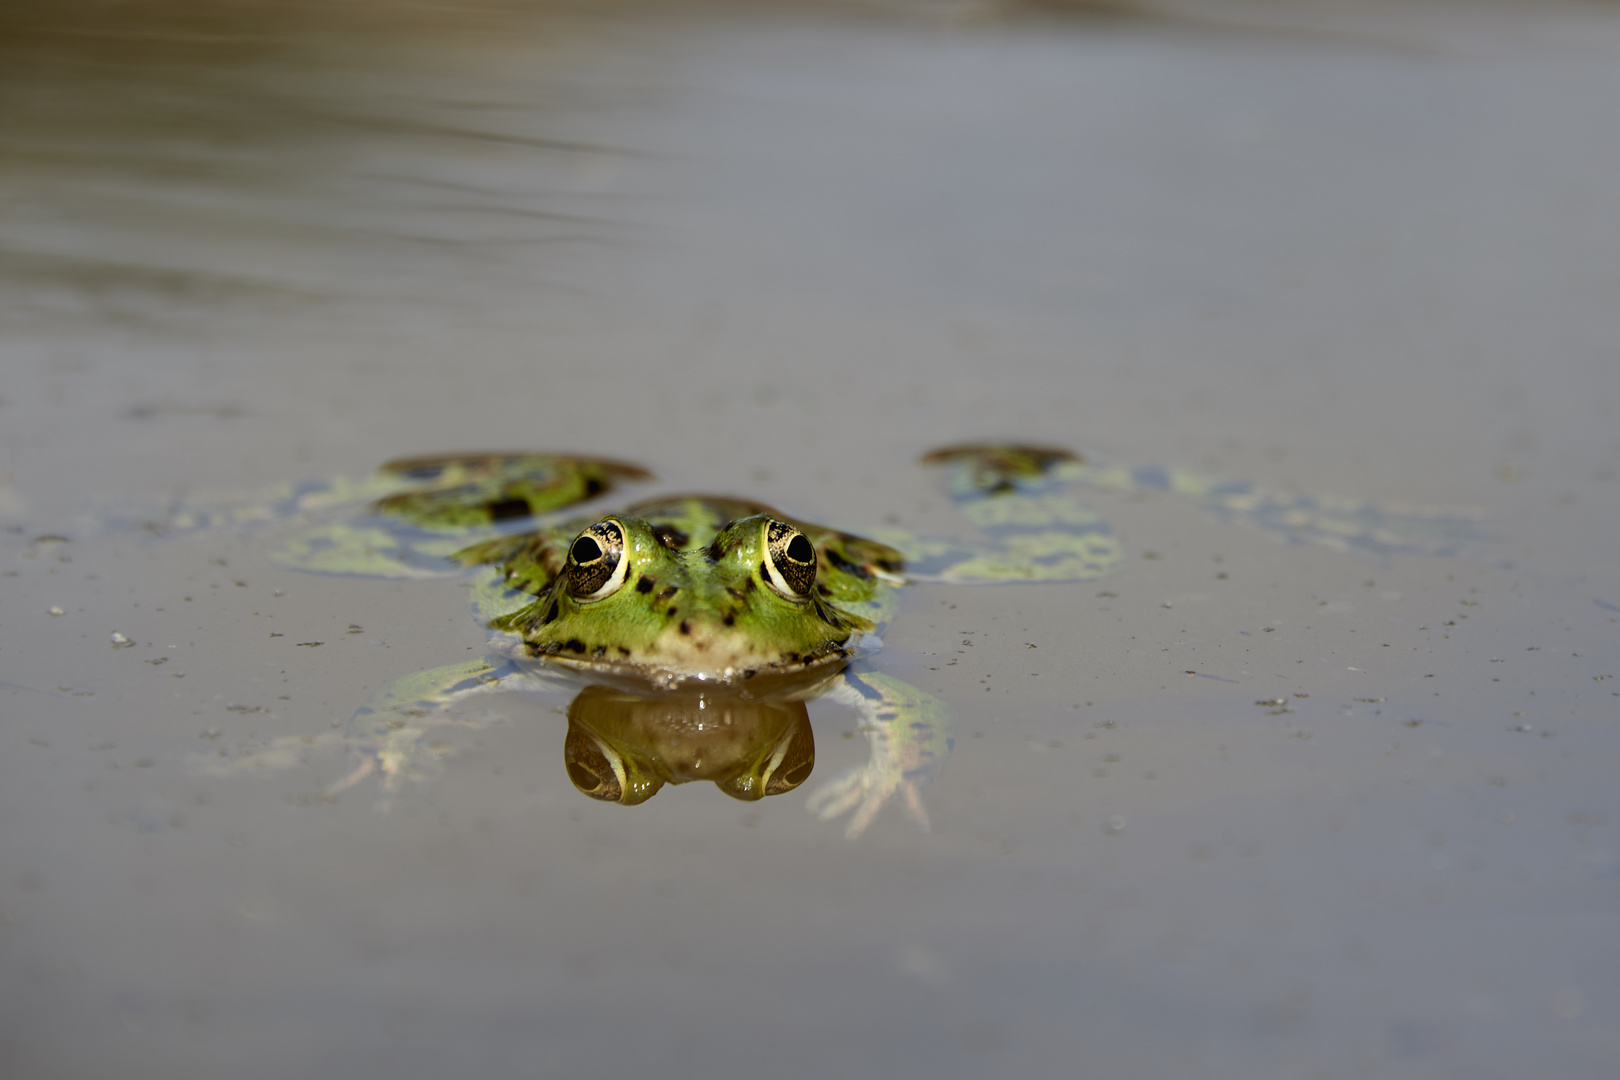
column 458, row 491
column 425, row 510
column 1033, row 528
column 1354, row 526
column 1019, row 496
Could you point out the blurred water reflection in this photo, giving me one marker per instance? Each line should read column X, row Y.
column 163, row 160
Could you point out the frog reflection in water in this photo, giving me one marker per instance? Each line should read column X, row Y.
column 703, row 624
column 623, row 746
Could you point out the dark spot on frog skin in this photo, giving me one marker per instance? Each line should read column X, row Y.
column 822, row 589
column 852, row 569
column 686, row 627
column 646, row 585
column 730, row 619
column 599, row 652
column 668, row 592
column 593, row 486
column 671, row 613
column 574, row 645
column 624, row 652
column 669, row 536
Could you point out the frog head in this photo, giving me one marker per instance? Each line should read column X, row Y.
column 662, row 596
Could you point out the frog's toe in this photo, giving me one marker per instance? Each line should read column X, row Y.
column 837, row 796
column 915, row 809
column 367, row 766
column 866, row 791
column 864, row 816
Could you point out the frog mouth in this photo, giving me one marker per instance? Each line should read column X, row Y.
column 753, row 673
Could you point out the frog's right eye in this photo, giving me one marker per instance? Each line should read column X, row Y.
column 596, row 562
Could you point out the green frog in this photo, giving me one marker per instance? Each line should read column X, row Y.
column 700, row 625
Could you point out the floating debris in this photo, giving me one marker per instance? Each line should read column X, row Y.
column 119, row 641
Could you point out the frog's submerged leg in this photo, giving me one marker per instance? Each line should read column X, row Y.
column 387, row 735
column 1033, row 528
column 909, row 735
column 210, row 510
column 369, row 548
column 1373, row 530
column 1019, row 497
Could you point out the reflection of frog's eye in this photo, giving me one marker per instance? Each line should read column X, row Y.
column 791, row 567
column 598, row 770
column 596, row 562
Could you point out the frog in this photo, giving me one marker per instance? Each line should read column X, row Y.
column 693, row 629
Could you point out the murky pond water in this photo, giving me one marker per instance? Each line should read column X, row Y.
column 1239, row 808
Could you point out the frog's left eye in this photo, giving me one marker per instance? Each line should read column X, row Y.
column 791, row 566
column 596, row 562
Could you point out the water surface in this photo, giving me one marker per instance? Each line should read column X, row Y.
column 778, row 253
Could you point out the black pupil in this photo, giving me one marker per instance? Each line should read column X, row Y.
column 799, row 549
column 585, row 550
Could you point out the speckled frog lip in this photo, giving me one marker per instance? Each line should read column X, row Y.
column 803, row 678
column 765, row 680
